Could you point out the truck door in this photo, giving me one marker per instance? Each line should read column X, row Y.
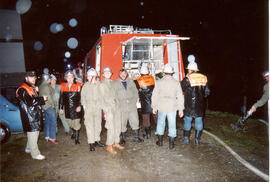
column 150, row 51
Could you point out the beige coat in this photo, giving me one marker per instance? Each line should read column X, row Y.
column 127, row 98
column 109, row 102
column 45, row 89
column 167, row 95
column 91, row 97
column 91, row 100
column 110, row 107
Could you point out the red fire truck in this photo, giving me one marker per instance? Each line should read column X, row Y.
column 125, row 47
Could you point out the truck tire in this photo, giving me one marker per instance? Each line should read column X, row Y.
column 4, row 133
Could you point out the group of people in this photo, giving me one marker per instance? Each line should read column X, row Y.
column 115, row 102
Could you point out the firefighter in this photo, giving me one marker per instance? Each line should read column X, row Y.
column 127, row 94
column 195, row 90
column 265, row 95
column 110, row 107
column 145, row 85
column 167, row 99
column 31, row 113
column 70, row 104
column 91, row 102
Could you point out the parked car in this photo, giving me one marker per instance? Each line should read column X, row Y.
column 10, row 118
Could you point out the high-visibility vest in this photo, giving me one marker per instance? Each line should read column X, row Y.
column 30, row 90
column 146, row 81
column 75, row 87
column 197, row 79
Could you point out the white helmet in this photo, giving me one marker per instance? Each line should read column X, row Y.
column 193, row 66
column 69, row 72
column 92, row 72
column 46, row 77
column 53, row 77
column 168, row 69
column 265, row 73
column 144, row 70
column 106, row 68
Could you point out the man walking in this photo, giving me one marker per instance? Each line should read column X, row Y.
column 110, row 106
column 127, row 94
column 31, row 113
column 167, row 99
column 195, row 90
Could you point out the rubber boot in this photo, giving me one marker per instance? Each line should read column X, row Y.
column 123, row 138
column 160, row 140
column 92, row 147
column 73, row 134
column 136, row 137
column 185, row 140
column 77, row 135
column 171, row 145
column 98, row 143
column 110, row 149
column 197, row 137
column 147, row 133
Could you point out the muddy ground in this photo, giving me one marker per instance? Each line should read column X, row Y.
column 145, row 161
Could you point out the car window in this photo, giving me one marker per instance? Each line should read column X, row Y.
column 10, row 94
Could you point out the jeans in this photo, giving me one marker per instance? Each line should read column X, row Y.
column 198, row 123
column 50, row 123
column 171, row 116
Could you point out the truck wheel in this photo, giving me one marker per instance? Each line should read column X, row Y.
column 4, row 133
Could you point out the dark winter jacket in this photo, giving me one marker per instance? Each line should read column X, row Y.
column 30, row 107
column 70, row 99
column 145, row 85
column 195, row 90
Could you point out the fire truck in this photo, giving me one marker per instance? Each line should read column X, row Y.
column 122, row 46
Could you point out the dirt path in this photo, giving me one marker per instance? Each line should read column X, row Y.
column 138, row 162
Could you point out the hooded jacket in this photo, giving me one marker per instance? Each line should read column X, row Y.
column 195, row 90
column 30, row 107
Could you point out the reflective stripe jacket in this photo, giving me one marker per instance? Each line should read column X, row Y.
column 70, row 99
column 195, row 90
column 145, row 85
column 30, row 107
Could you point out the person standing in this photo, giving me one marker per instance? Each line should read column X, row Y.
column 145, row 85
column 167, row 99
column 127, row 94
column 31, row 113
column 49, row 109
column 265, row 96
column 70, row 104
column 91, row 99
column 195, row 88
column 56, row 96
column 110, row 106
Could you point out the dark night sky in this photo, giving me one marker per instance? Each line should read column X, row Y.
column 228, row 37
